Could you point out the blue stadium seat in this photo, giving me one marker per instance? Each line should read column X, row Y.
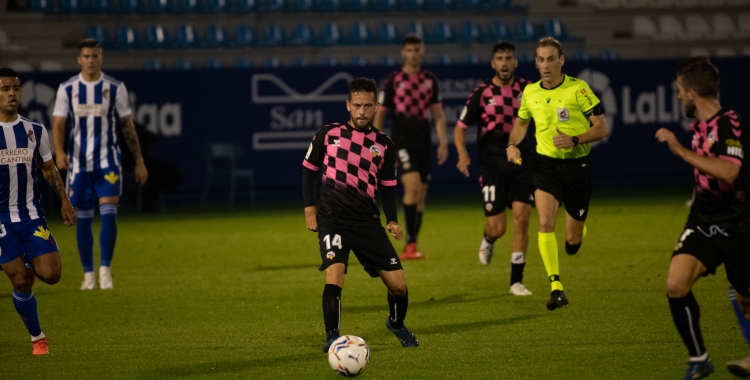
column 300, row 62
column 354, row 5
column 387, row 60
column 357, row 60
column 213, row 64
column 499, row 30
column 359, row 34
column 243, row 63
column 465, row 5
column 554, row 28
column 417, row 28
column 244, row 36
column 580, row 55
column 470, row 58
column 271, row 62
column 183, row 64
column 297, row 6
column 70, row 6
column 411, row 5
column 101, row 6
column 526, row 31
column 608, row 55
column 330, row 34
column 269, row 6
column 387, row 34
column 187, row 37
column 438, row 5
column 382, row 5
column 215, row 6
column 40, row 5
column 98, row 33
column 471, row 32
column 526, row 57
column 157, row 7
column 216, row 37
column 329, row 61
column 242, row 6
column 129, row 6
column 273, row 35
column 186, row 6
column 152, row 64
column 157, row 37
column 127, row 38
column 442, row 59
column 301, row 35
column 327, row 5
column 443, row 33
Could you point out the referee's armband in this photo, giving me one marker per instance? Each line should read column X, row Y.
column 597, row 110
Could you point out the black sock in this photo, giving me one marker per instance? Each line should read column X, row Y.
column 489, row 239
column 332, row 308
column 572, row 249
column 410, row 216
column 686, row 315
column 398, row 307
column 417, row 224
column 516, row 272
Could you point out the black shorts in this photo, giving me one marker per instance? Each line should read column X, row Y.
column 713, row 246
column 415, row 157
column 501, row 189
column 370, row 244
column 569, row 181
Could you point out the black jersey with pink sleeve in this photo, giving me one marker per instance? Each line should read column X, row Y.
column 354, row 164
column 725, row 136
column 494, row 110
column 409, row 97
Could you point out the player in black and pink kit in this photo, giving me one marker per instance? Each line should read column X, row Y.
column 411, row 93
column 718, row 227
column 493, row 106
column 357, row 159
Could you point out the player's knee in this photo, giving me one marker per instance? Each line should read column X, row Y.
column 397, row 290
column 676, row 288
column 21, row 282
column 521, row 223
column 573, row 238
column 495, row 230
column 546, row 224
column 49, row 276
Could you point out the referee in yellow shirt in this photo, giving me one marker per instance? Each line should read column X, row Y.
column 568, row 118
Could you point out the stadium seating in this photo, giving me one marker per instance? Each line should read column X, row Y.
column 608, row 55
column 21, row 66
column 387, row 60
column 186, row 6
column 696, row 27
column 438, row 5
column 471, row 33
column 300, row 62
column 357, row 60
column 354, row 5
column 216, row 37
column 526, row 57
column 70, row 6
column 152, row 64
column 723, row 26
column 40, row 5
column 271, row 62
column 580, row 55
column 243, row 63
column 301, row 35
column 269, row 6
column 442, row 59
column 329, row 61
column 4, row 39
column 555, row 28
column 699, row 52
column 644, row 27
column 330, row 34
column 327, row 6
column 215, row 6
column 183, row 64
column 725, row 51
column 669, row 28
column 50, row 65
column 382, row 5
column 212, row 63
column 387, row 34
column 157, row 37
column 187, row 37
column 126, row 38
column 101, row 7
column 442, row 33
column 465, row 5
column 526, row 31
column 743, row 23
column 416, row 27
column 157, row 7
column 499, row 30
column 98, row 33
column 242, row 6
column 127, row 7
column 359, row 34
column 244, row 36
column 470, row 58
column 411, row 5
column 296, row 6
column 273, row 35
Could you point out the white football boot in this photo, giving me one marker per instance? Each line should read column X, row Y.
column 486, row 250
column 740, row 367
column 518, row 289
column 89, row 281
column 105, row 278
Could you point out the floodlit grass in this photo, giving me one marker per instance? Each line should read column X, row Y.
column 237, row 295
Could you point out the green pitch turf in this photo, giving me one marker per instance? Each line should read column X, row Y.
column 237, row 295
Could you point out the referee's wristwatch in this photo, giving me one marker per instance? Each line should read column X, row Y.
column 575, row 140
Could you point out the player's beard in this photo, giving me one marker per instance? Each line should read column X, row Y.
column 361, row 124
column 507, row 79
column 689, row 110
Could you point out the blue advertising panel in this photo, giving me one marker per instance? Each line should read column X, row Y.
column 273, row 114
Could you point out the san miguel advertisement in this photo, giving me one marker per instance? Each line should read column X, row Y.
column 272, row 114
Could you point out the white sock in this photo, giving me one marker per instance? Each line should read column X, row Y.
column 35, row 338
column 701, row 358
column 517, row 258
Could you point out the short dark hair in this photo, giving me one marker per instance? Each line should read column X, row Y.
column 549, row 41
column 363, row 85
column 88, row 43
column 699, row 74
column 503, row 45
column 411, row 38
column 6, row 72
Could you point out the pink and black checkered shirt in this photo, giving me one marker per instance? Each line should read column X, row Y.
column 494, row 110
column 410, row 97
column 354, row 164
column 725, row 136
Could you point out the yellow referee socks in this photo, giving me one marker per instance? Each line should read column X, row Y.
column 548, row 249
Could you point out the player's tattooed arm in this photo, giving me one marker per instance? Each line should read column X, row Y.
column 52, row 176
column 131, row 138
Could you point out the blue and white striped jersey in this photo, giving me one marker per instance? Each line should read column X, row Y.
column 23, row 144
column 93, row 110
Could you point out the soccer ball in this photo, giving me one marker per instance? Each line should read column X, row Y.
column 349, row 355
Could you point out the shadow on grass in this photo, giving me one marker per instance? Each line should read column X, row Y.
column 263, row 268
column 239, row 366
column 466, row 326
column 453, row 299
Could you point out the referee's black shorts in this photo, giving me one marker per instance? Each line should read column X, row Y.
column 568, row 180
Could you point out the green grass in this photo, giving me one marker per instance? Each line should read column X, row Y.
column 237, row 295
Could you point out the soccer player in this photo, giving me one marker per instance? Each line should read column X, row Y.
column 24, row 235
column 357, row 159
column 94, row 103
column 493, row 106
column 410, row 93
column 568, row 118
column 718, row 226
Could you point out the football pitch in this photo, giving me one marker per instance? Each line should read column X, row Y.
column 238, row 295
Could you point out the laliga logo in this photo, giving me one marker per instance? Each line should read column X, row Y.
column 38, row 102
column 600, row 84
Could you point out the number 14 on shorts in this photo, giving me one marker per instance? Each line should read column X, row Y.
column 336, row 242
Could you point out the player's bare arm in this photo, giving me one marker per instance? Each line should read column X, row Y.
column 599, row 130
column 131, row 138
column 311, row 218
column 459, row 139
column 52, row 176
column 520, row 126
column 395, row 230
column 379, row 119
column 58, row 138
column 714, row 166
column 439, row 116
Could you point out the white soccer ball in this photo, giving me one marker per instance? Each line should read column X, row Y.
column 349, row 355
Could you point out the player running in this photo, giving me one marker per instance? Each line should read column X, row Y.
column 493, row 106
column 94, row 103
column 568, row 118
column 718, row 226
column 357, row 159
column 24, row 235
column 410, row 93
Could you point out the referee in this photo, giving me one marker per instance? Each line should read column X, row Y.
column 568, row 118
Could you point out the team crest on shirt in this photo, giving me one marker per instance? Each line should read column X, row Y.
column 563, row 114
column 711, row 138
column 30, row 133
column 105, row 94
column 330, row 255
column 375, row 151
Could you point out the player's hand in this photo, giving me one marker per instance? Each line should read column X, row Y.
column 514, row 155
column 664, row 135
column 562, row 140
column 141, row 173
column 463, row 164
column 68, row 213
column 311, row 218
column 61, row 160
column 395, row 230
column 442, row 153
